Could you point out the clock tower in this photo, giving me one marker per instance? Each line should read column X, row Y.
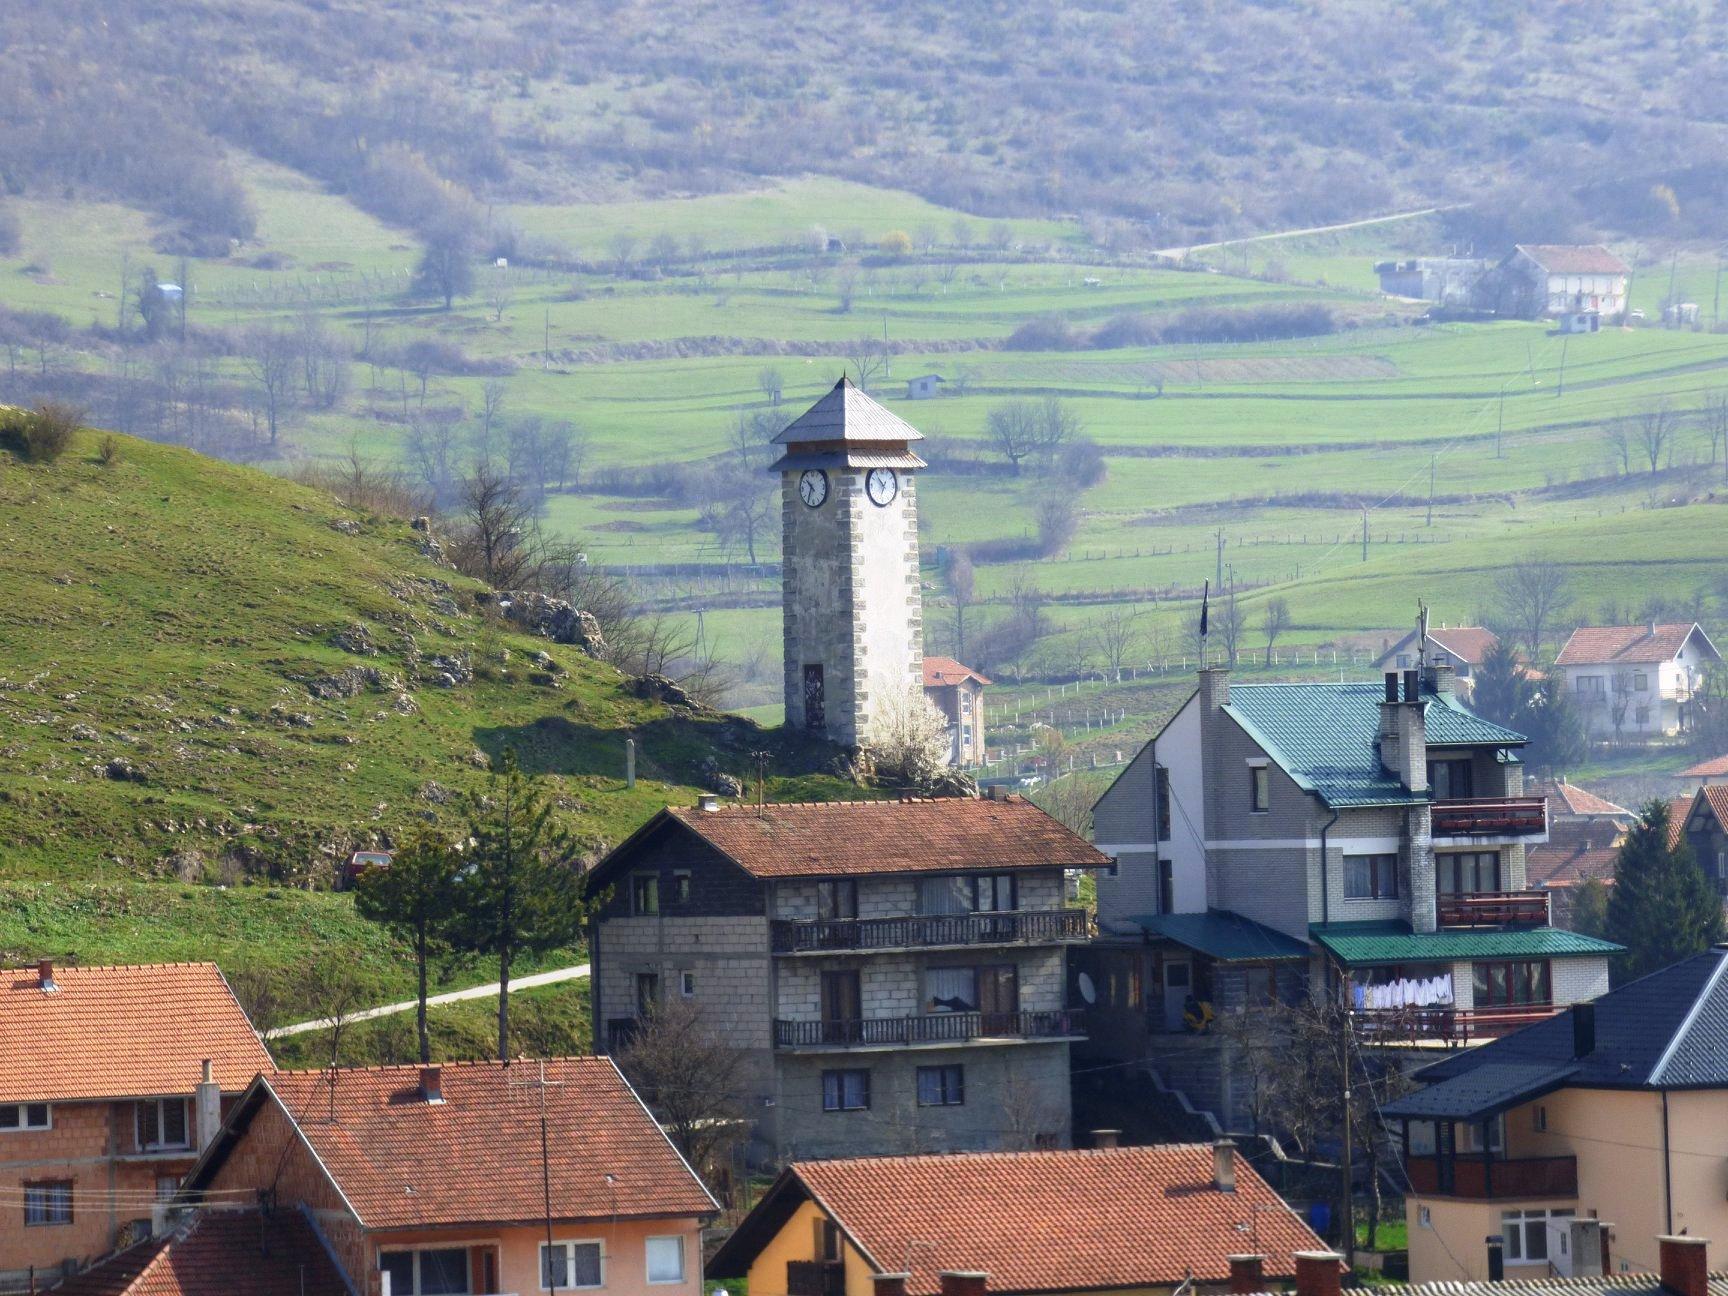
column 849, row 521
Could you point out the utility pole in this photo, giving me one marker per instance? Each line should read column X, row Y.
column 1364, row 535
column 1716, row 299
column 546, row 343
column 1560, row 386
column 1671, row 304
column 1432, row 460
column 1218, row 575
column 1349, row 1186
column 1500, row 427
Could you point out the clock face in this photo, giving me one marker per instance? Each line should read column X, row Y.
column 881, row 486
column 813, row 487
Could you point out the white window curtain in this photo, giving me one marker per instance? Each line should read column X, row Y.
column 945, row 895
column 952, row 989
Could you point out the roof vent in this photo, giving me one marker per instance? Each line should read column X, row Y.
column 45, row 975
column 708, row 803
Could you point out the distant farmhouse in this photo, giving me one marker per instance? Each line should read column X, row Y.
column 1451, row 281
column 1463, row 648
column 1558, row 281
column 1636, row 681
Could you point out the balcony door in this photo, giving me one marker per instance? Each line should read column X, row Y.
column 1452, row 780
column 1467, row 873
column 842, row 1007
column 999, row 999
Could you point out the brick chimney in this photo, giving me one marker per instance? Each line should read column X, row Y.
column 963, row 1282
column 1247, row 1274
column 1105, row 1138
column 1684, row 1265
column 1442, row 678
column 1403, row 745
column 890, row 1284
column 207, row 1106
column 432, row 1084
column 1214, row 688
column 1224, row 1165
column 45, row 976
column 1317, row 1273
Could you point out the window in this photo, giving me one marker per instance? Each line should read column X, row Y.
column 571, row 1264
column 439, row 1271
column 162, row 1124
column 1641, row 715
column 837, row 898
column 1640, row 682
column 1469, row 873
column 1370, row 877
column 1259, row 789
column 845, row 1091
column 665, row 1259
column 961, row 893
column 828, row 1241
column 1163, row 804
column 1503, row 984
column 645, row 893
column 1539, row 1118
column 1452, row 780
column 681, row 886
column 25, row 1116
column 647, row 992
column 1424, row 1218
column 1470, row 1136
column 1592, row 686
column 166, row 1187
column 48, row 1202
column 686, row 985
column 941, row 1086
column 1526, row 1233
column 1166, row 887
column 1421, row 1139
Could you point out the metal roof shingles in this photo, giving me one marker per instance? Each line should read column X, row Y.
column 1388, row 941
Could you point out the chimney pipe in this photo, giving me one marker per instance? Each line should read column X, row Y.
column 708, row 802
column 1391, row 686
column 1317, row 1273
column 1496, row 1257
column 1106, row 1138
column 1224, row 1165
column 963, row 1282
column 1583, row 1029
column 45, row 974
column 207, row 1106
column 1684, row 1265
column 890, row 1284
column 1412, row 685
column 1247, row 1274
column 432, row 1084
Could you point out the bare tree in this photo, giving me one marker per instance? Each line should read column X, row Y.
column 492, row 397
column 1057, row 515
column 1013, row 427
column 962, row 590
column 1274, row 621
column 494, row 534
column 1230, row 622
column 1530, row 596
column 771, row 383
column 1714, row 417
column 500, row 292
column 269, row 356
column 333, row 988
column 740, row 510
column 1068, row 800
column 1058, row 426
column 867, row 356
column 1656, row 428
column 1619, row 438
column 622, row 246
column 1113, row 637
column 690, row 1074
column 845, row 284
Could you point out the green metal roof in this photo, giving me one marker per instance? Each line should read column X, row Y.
column 1225, row 936
column 1326, row 736
column 1362, row 944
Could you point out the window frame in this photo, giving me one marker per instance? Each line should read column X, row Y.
column 950, row 1085
column 682, row 885
column 1514, row 1226
column 839, row 1077
column 648, row 1260
column 1161, row 795
column 24, row 1124
column 159, row 1106
column 1166, row 886
column 1488, row 1000
column 1259, row 788
column 55, row 1193
column 644, row 887
column 417, row 1252
column 1382, row 876
column 834, row 896
column 568, row 1246
column 686, row 983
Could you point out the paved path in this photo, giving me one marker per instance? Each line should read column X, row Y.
column 1312, row 229
column 449, row 996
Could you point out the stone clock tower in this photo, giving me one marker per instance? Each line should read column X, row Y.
column 849, row 517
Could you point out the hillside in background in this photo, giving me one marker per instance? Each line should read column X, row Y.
column 1192, row 118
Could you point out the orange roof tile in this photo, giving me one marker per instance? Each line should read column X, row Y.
column 1678, row 810
column 1715, row 768
column 1467, row 643
column 1626, row 645
column 1572, row 856
column 219, row 1253
column 403, row 1162
column 122, row 1032
column 945, row 670
column 1051, row 1221
column 954, row 834
column 1567, row 799
column 1574, row 258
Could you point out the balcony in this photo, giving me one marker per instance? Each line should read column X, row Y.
column 1447, row 1025
column 815, row 1278
column 1491, row 817
column 929, row 1028
column 1492, row 909
column 1489, row 1180
column 845, row 935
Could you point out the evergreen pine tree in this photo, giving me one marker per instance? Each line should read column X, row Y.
column 1503, row 692
column 413, row 899
column 1662, row 908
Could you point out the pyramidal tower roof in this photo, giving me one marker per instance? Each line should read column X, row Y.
column 846, row 414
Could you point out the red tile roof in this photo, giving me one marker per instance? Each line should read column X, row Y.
column 403, row 1162
column 219, row 1253
column 1678, row 811
column 945, row 670
column 1714, row 768
column 1057, row 1221
column 1714, row 797
column 953, row 834
column 1625, row 645
column 122, row 1032
column 1467, row 643
column 1567, row 799
column 1571, row 258
column 1574, row 852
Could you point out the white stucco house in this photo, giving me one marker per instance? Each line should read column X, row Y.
column 1636, row 681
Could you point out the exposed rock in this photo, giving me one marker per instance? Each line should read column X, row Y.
column 545, row 661
column 293, row 719
column 436, row 793
column 447, row 671
column 657, row 688
column 404, row 704
column 348, row 683
column 422, row 524
column 479, row 759
column 122, row 770
column 356, row 639
column 347, row 526
column 82, row 733
column 726, row 785
column 553, row 618
column 545, row 679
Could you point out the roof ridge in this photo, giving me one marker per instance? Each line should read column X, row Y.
column 114, row 967
column 1003, row 1155
column 450, row 1065
column 1680, row 1032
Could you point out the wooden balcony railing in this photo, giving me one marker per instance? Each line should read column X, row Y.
column 1491, row 1180
column 1492, row 909
column 1448, row 1025
column 815, row 1278
column 1491, row 817
column 929, row 1028
column 1021, row 927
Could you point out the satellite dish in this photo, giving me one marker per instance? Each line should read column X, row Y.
column 1088, row 991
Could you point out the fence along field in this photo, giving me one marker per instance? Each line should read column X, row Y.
column 654, row 334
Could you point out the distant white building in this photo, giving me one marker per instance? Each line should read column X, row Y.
column 1540, row 279
column 924, row 386
column 1636, row 681
column 1448, row 280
